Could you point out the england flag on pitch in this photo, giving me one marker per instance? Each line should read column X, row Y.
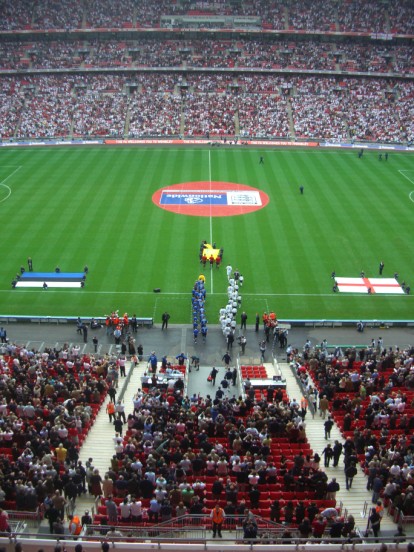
column 363, row 285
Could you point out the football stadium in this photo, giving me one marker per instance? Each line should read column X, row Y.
column 207, row 318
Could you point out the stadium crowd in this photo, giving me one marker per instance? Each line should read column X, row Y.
column 240, row 53
column 173, row 455
column 206, row 114
column 183, row 454
column 370, row 393
column 301, row 15
column 48, row 403
column 159, row 104
column 203, row 86
column 263, row 115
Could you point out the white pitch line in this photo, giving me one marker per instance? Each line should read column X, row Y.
column 18, row 167
column 294, row 149
column 411, row 194
column 222, row 294
column 155, row 308
column 402, row 171
column 3, row 182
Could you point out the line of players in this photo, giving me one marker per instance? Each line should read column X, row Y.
column 228, row 313
column 198, row 300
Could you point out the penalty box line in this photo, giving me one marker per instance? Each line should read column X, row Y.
column 403, row 171
column 16, row 169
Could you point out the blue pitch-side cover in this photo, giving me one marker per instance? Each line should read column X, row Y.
column 54, row 275
column 193, row 198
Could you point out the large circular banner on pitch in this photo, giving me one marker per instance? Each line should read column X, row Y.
column 210, row 199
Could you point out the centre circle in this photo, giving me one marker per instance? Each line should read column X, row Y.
column 210, row 199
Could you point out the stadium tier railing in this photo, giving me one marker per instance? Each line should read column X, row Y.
column 148, row 321
column 338, row 323
column 179, row 542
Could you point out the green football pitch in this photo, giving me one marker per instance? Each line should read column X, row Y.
column 77, row 206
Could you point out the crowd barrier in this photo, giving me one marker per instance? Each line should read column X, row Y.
column 232, row 141
column 148, row 322
column 142, row 321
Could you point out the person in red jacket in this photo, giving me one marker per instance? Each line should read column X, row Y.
column 318, row 526
column 4, row 521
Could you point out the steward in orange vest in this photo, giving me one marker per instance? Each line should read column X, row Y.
column 75, row 526
column 110, row 410
column 217, row 515
column 303, row 407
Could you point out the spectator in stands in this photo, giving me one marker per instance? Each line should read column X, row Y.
column 4, row 522
column 111, row 510
column 327, row 454
column 328, row 425
column 318, row 526
column 96, row 483
column 350, row 473
column 375, row 522
column 250, row 530
column 323, row 406
column 377, row 487
column 332, row 488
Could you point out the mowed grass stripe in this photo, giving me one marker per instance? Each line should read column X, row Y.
column 336, row 214
column 37, row 209
column 131, row 192
column 189, row 231
column 347, row 221
column 68, row 211
column 316, row 247
column 136, row 218
column 163, row 227
column 384, row 203
column 53, row 230
column 289, row 230
column 368, row 203
column 129, row 203
column 96, row 225
column 99, row 173
column 332, row 233
column 356, row 218
column 249, row 233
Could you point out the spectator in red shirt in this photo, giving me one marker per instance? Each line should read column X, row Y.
column 4, row 521
column 318, row 526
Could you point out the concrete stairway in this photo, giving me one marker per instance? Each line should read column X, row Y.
column 98, row 445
